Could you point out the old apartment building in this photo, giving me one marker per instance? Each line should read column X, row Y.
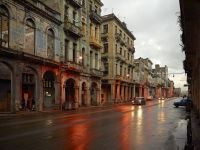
column 190, row 26
column 80, row 62
column 144, row 78
column 47, row 60
column 117, row 60
column 30, row 47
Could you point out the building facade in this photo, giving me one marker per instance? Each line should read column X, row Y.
column 117, row 61
column 80, row 62
column 190, row 25
column 47, row 60
column 162, row 81
column 30, row 44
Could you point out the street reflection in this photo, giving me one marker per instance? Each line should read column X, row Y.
column 137, row 116
column 161, row 103
column 161, row 116
column 125, row 132
column 80, row 137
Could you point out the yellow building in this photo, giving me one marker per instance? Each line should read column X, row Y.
column 117, row 61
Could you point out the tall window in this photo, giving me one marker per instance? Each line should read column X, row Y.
column 4, row 26
column 120, row 51
column 96, row 33
column 83, row 27
column 74, row 17
column 91, row 59
column 83, row 3
column 105, row 46
column 74, row 52
column 120, row 32
column 96, row 9
column 96, row 61
column 66, row 50
column 105, row 28
column 120, row 69
column 115, row 29
column 90, row 29
column 83, row 56
column 30, row 36
column 116, row 69
column 66, row 13
column 50, row 44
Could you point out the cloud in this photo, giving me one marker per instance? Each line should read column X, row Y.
column 154, row 24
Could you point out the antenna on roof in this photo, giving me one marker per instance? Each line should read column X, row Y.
column 112, row 10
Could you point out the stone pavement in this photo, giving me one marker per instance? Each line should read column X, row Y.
column 195, row 131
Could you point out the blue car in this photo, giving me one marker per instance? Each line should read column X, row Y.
column 183, row 102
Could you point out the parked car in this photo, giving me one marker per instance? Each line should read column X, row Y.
column 183, row 102
column 139, row 101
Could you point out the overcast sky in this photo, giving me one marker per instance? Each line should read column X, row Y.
column 154, row 24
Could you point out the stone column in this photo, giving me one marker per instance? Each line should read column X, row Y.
column 118, row 92
column 63, row 98
column 133, row 91
column 39, row 93
column 57, row 85
column 130, row 93
column 76, row 97
column 16, row 90
column 122, row 93
column 113, row 93
column 127, row 93
column 88, row 97
column 98, row 96
column 140, row 91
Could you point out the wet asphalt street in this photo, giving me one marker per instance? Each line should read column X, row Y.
column 155, row 126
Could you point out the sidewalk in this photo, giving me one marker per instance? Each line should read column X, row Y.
column 79, row 110
column 195, row 131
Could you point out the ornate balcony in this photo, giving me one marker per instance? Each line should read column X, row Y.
column 130, row 47
column 96, row 72
column 95, row 17
column 72, row 66
column 75, row 3
column 119, row 38
column 120, row 57
column 95, row 43
column 72, row 29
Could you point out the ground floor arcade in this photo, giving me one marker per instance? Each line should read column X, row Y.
column 27, row 86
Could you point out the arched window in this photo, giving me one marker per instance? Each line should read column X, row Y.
column 4, row 26
column 30, row 36
column 50, row 44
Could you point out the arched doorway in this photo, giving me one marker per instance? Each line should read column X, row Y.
column 28, row 88
column 70, row 93
column 49, row 89
column 83, row 94
column 5, row 88
column 93, row 93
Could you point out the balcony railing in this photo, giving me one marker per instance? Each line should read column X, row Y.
column 75, row 3
column 72, row 66
column 72, row 29
column 119, row 38
column 120, row 57
column 95, row 17
column 130, row 47
column 95, row 43
column 96, row 72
